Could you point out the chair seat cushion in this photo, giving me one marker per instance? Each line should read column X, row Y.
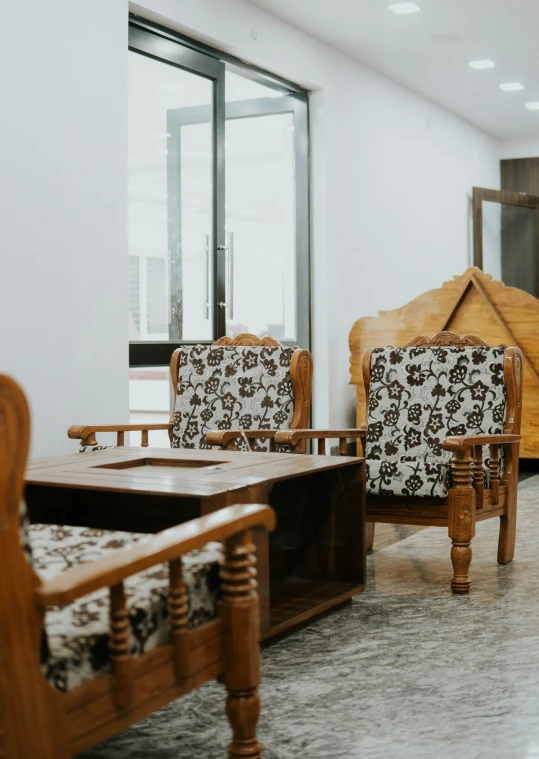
column 75, row 644
column 421, row 478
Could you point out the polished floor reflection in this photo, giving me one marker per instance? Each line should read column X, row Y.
column 408, row 671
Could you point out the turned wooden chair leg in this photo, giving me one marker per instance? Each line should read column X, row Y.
column 369, row 535
column 239, row 612
column 461, row 520
column 508, row 529
column 461, row 557
column 508, row 521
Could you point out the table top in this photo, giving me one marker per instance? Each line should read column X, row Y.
column 175, row 471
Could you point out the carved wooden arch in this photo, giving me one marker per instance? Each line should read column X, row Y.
column 445, row 339
column 471, row 304
column 246, row 338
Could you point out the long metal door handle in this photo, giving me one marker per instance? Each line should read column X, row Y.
column 231, row 275
column 206, row 305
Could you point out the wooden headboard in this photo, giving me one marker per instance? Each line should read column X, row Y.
column 471, row 303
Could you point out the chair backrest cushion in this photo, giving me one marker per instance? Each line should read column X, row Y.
column 231, row 388
column 420, row 395
column 24, row 532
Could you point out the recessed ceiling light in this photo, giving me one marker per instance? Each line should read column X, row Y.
column 401, row 8
column 511, row 86
column 481, row 64
column 532, row 106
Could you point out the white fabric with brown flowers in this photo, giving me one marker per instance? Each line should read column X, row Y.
column 417, row 397
column 75, row 640
column 232, row 388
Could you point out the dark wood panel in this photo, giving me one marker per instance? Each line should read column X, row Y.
column 520, row 175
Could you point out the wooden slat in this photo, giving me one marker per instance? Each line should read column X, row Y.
column 295, row 600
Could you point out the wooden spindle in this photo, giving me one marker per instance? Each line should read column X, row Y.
column 494, row 471
column 121, row 660
column 238, row 609
column 144, row 438
column 120, row 438
column 462, row 470
column 322, row 446
column 272, row 445
column 178, row 609
column 343, row 449
column 478, row 475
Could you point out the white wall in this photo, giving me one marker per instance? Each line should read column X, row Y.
column 392, row 178
column 63, row 260
column 526, row 147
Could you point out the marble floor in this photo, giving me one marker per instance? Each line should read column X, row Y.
column 407, row 671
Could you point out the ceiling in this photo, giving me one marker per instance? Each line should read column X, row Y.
column 400, row 46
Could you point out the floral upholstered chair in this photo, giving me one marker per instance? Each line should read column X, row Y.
column 441, row 439
column 231, row 394
column 99, row 628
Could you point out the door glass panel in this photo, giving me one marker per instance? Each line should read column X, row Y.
column 492, row 241
column 259, row 212
column 518, row 247
column 509, row 244
column 170, row 195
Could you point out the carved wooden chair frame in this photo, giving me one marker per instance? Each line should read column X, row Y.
column 36, row 720
column 468, row 501
column 301, row 376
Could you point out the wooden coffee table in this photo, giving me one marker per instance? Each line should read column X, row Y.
column 315, row 559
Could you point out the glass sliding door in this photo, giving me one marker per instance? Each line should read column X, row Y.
column 217, row 200
column 266, row 211
column 173, row 178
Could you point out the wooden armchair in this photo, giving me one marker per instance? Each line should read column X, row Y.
column 88, row 651
column 441, row 439
column 236, row 390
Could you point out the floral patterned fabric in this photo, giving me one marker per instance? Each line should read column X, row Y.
column 24, row 532
column 232, row 388
column 75, row 640
column 85, row 448
column 417, row 397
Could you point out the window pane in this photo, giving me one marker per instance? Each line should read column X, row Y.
column 149, row 403
column 260, row 216
column 170, row 202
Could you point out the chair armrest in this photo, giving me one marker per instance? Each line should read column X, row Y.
column 162, row 547
column 284, row 437
column 462, row 442
column 223, row 439
column 293, row 437
column 86, row 433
